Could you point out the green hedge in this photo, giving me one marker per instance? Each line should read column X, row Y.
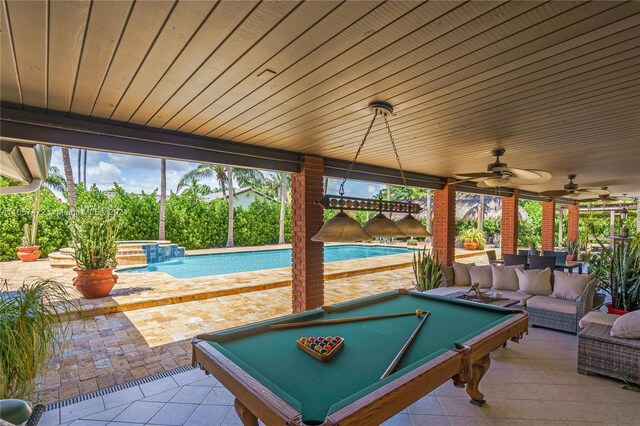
column 190, row 221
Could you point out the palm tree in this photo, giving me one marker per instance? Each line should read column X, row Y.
column 283, row 202
column 68, row 173
column 231, row 218
column 248, row 177
column 163, row 197
column 55, row 181
column 205, row 171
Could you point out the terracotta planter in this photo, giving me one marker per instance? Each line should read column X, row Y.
column 615, row 311
column 29, row 254
column 470, row 245
column 94, row 283
column 571, row 257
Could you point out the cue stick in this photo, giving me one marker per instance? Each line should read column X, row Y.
column 339, row 320
column 398, row 357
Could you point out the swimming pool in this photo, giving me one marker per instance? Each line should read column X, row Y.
column 227, row 263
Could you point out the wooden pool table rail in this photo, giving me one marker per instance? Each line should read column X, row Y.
column 466, row 366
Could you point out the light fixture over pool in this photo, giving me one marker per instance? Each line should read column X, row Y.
column 343, row 228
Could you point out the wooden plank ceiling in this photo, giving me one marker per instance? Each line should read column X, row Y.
column 555, row 83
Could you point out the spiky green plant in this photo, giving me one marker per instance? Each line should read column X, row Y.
column 26, row 236
column 618, row 270
column 31, row 333
column 473, row 235
column 572, row 247
column 94, row 238
column 427, row 270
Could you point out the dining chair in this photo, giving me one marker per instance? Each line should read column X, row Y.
column 561, row 256
column 542, row 262
column 493, row 260
column 514, row 259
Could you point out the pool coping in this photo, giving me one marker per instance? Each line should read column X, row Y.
column 209, row 287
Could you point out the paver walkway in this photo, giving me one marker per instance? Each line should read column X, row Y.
column 530, row 383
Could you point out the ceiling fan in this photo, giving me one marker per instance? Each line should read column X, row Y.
column 572, row 190
column 499, row 174
column 607, row 198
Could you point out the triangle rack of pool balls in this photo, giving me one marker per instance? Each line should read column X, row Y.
column 322, row 348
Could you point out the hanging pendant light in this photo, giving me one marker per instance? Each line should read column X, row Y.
column 382, row 226
column 412, row 227
column 341, row 229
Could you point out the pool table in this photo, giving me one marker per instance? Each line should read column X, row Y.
column 277, row 382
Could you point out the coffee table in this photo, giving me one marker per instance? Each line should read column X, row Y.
column 500, row 302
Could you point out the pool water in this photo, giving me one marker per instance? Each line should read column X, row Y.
column 227, row 263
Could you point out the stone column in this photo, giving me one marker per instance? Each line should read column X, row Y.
column 509, row 224
column 573, row 218
column 548, row 225
column 307, row 219
column 444, row 223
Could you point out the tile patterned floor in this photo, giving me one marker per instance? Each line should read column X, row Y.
column 531, row 383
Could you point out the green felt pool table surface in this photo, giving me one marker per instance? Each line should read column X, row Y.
column 316, row 388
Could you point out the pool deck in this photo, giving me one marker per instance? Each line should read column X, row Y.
column 151, row 289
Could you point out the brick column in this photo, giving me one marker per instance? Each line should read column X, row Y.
column 444, row 223
column 548, row 225
column 509, row 224
column 307, row 219
column 573, row 217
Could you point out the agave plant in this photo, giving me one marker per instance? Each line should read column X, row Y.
column 31, row 333
column 572, row 247
column 618, row 269
column 427, row 270
column 94, row 235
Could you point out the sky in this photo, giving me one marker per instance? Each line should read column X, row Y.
column 137, row 173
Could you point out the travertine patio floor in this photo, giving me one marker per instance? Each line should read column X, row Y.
column 530, row 383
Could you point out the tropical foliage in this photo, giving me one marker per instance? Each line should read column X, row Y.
column 427, row 270
column 473, row 235
column 618, row 269
column 31, row 334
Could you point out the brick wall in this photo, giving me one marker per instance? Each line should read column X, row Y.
column 573, row 217
column 307, row 219
column 509, row 225
column 444, row 223
column 548, row 225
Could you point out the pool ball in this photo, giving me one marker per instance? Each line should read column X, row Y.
column 312, row 339
column 323, row 351
column 303, row 339
column 327, row 348
column 312, row 345
column 318, row 349
column 307, row 343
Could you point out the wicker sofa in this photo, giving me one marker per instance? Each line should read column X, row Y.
column 599, row 353
column 544, row 311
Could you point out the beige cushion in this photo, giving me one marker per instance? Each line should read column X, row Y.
column 596, row 317
column 553, row 305
column 535, row 281
column 504, row 277
column 627, row 326
column 481, row 275
column 569, row 286
column 461, row 275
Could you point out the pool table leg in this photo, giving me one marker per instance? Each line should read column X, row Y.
column 246, row 416
column 478, row 370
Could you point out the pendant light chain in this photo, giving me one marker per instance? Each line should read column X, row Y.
column 395, row 150
column 353, row 162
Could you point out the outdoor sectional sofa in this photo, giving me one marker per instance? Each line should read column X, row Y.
column 544, row 311
column 600, row 353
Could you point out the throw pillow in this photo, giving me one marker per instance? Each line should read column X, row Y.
column 481, row 275
column 569, row 286
column 627, row 326
column 505, row 278
column 461, row 275
column 534, row 281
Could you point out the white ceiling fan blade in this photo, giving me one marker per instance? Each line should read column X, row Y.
column 598, row 191
column 528, row 176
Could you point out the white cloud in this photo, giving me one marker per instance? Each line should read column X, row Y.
column 104, row 174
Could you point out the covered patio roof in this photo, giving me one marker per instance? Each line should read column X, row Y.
column 257, row 84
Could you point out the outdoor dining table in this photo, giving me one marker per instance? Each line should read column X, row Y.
column 570, row 265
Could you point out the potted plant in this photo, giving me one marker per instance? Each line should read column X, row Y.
column 427, row 270
column 29, row 251
column 473, row 239
column 572, row 250
column 94, row 243
column 412, row 242
column 32, row 333
column 618, row 270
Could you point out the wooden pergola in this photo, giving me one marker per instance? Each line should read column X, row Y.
column 285, row 86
